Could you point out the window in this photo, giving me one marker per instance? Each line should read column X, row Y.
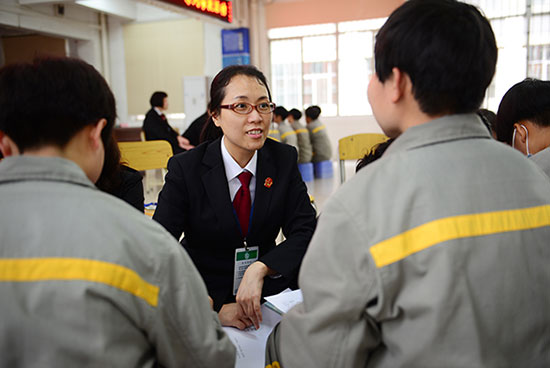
column 330, row 66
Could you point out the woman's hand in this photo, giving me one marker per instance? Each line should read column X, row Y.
column 232, row 315
column 250, row 291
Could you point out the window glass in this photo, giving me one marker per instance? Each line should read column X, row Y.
column 356, row 63
column 286, row 73
column 319, row 73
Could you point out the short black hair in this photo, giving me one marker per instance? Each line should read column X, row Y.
column 296, row 114
column 526, row 100
column 446, row 47
column 281, row 111
column 374, row 154
column 157, row 99
column 217, row 93
column 48, row 101
column 313, row 112
column 488, row 118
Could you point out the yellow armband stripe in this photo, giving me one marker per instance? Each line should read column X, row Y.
column 318, row 129
column 70, row 269
column 424, row 236
column 301, row 131
column 284, row 135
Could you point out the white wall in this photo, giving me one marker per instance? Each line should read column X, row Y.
column 117, row 66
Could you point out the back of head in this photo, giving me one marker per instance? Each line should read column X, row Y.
column 488, row 118
column 280, row 111
column 217, row 94
column 313, row 112
column 446, row 47
column 296, row 114
column 49, row 101
column 157, row 99
column 526, row 100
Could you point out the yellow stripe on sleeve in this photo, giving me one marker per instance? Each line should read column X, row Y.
column 49, row 269
column 301, row 131
column 284, row 135
column 424, row 236
column 318, row 129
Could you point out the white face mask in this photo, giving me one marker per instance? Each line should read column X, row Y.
column 526, row 139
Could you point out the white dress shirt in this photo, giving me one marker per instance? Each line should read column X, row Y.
column 233, row 169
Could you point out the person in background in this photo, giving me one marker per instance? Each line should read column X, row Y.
column 414, row 262
column 120, row 180
column 156, row 127
column 274, row 131
column 523, row 120
column 193, row 132
column 374, row 155
column 488, row 118
column 230, row 198
column 288, row 135
column 85, row 280
column 320, row 143
column 304, row 142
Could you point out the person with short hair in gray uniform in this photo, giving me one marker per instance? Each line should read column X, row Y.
column 523, row 120
column 320, row 142
column 288, row 135
column 437, row 254
column 302, row 134
column 85, row 279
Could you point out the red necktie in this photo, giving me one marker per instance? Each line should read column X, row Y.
column 242, row 202
column 163, row 117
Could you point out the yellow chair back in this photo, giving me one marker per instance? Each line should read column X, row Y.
column 356, row 146
column 145, row 155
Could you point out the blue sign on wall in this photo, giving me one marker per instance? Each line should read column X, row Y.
column 235, row 46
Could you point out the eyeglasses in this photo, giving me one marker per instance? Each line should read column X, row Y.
column 245, row 108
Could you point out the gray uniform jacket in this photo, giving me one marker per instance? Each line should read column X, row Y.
column 542, row 159
column 86, row 280
column 288, row 135
column 304, row 142
column 436, row 255
column 274, row 131
column 320, row 142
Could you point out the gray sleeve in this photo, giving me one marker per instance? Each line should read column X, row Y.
column 331, row 328
column 290, row 138
column 322, row 149
column 186, row 332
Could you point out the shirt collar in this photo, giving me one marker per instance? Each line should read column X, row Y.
column 443, row 129
column 157, row 110
column 232, row 168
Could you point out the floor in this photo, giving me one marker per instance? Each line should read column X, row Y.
column 320, row 189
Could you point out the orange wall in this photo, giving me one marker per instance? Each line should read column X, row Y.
column 286, row 13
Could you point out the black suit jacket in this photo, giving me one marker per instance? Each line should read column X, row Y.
column 195, row 200
column 155, row 128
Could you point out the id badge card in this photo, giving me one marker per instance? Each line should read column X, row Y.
column 244, row 257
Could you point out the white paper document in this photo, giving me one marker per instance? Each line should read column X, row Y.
column 250, row 343
column 284, row 301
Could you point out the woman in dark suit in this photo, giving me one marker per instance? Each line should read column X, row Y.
column 156, row 127
column 204, row 198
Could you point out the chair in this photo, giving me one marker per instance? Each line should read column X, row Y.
column 356, row 146
column 148, row 156
column 145, row 155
